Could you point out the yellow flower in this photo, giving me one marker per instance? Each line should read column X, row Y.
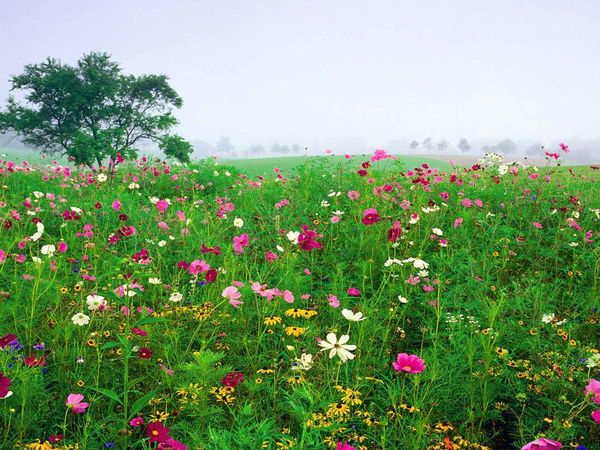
column 338, row 410
column 294, row 312
column 265, row 371
column 273, row 320
column 296, row 379
column 308, row 313
column 295, row 331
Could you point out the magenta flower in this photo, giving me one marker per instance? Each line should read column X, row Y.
column 596, row 416
column 239, row 242
column 116, row 205
column 162, row 205
column 370, row 216
column 344, row 446
column 306, row 239
column 76, row 404
column 4, row 386
column 543, row 444
column 409, row 363
column 353, row 292
column 394, row 233
column 136, row 421
column 593, row 388
column 171, row 444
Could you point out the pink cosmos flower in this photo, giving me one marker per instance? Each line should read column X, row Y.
column 171, row 444
column 76, row 404
column 409, row 363
column 370, row 216
column 593, row 388
column 116, row 205
column 543, row 444
column 136, row 421
column 333, row 300
column 394, row 233
column 198, row 266
column 2, row 256
column 466, row 202
column 306, row 239
column 62, row 246
column 334, row 219
column 538, row 225
column 458, row 222
column 4, row 386
column 239, row 242
column 353, row 195
column 232, row 294
column 162, row 205
column 288, row 296
column 353, row 292
column 344, row 446
column 564, row 148
column 596, row 416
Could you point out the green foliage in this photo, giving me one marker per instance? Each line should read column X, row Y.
column 176, row 147
column 91, row 111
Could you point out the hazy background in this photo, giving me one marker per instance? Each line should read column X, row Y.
column 342, row 75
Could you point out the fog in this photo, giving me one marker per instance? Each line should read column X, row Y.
column 343, row 75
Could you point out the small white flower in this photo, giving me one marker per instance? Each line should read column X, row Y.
column 293, row 236
column 162, row 243
column 423, row 273
column 420, row 264
column 437, row 231
column 38, row 194
column 338, row 347
column 36, row 260
column 101, row 178
column 324, row 203
column 95, row 302
column 548, row 318
column 80, row 319
column 40, row 231
column 402, row 299
column 280, row 248
column 351, row 316
column 155, row 281
column 338, row 213
column 593, row 361
column 48, row 250
column 176, row 297
column 237, row 222
column 305, row 362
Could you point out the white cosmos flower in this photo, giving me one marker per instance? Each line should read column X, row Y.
column 548, row 318
column 237, row 222
column 338, row 347
column 48, row 249
column 38, row 234
column 420, row 264
column 154, row 280
column 402, row 299
column 351, row 316
column 80, row 319
column 305, row 362
column 437, row 231
column 293, row 236
column 95, row 302
column 101, row 178
column 176, row 297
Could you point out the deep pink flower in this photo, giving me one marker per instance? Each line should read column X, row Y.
column 76, row 404
column 543, row 444
column 409, row 363
column 157, row 432
column 239, row 242
column 344, row 446
column 595, row 415
column 162, row 205
column 136, row 421
column 593, row 388
column 4, row 386
column 564, row 148
column 370, row 216
column 394, row 233
column 171, row 444
column 306, row 239
column 116, row 205
column 353, row 292
column 232, row 379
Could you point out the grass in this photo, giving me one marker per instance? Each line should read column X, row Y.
column 196, row 302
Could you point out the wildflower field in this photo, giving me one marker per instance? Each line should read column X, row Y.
column 350, row 303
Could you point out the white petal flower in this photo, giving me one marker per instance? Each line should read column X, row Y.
column 48, row 250
column 95, row 302
column 351, row 316
column 293, row 236
column 338, row 347
column 80, row 319
column 176, row 297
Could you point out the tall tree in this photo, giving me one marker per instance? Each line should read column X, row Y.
column 91, row 111
column 463, row 145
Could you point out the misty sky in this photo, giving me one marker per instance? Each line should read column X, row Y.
column 287, row 71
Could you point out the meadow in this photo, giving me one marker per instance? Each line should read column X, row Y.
column 350, row 303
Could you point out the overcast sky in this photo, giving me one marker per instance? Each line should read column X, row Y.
column 264, row 71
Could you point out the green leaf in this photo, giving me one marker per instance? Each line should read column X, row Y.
column 140, row 403
column 108, row 393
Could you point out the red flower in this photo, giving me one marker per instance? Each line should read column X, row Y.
column 394, row 233
column 157, row 432
column 139, row 332
column 211, row 276
column 306, row 239
column 370, row 216
column 4, row 385
column 232, row 379
column 145, row 353
column 32, row 361
column 6, row 340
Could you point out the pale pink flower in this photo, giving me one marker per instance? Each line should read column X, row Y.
column 76, row 404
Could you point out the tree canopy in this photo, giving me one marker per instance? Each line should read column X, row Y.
column 91, row 111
